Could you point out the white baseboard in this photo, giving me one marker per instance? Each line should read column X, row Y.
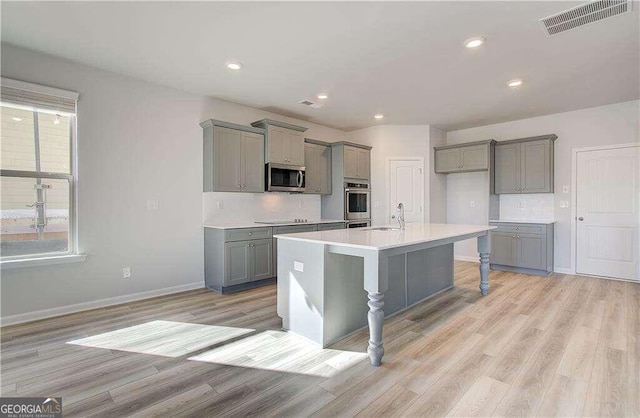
column 466, row 258
column 563, row 271
column 100, row 303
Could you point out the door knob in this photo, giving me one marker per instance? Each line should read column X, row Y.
column 581, row 218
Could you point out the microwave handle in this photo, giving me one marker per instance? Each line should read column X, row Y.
column 300, row 174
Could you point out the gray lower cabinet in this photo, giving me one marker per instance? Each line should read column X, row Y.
column 332, row 226
column 241, row 258
column 236, row 258
column 317, row 160
column 233, row 158
column 247, row 261
column 522, row 247
column 236, row 261
column 524, row 165
column 461, row 158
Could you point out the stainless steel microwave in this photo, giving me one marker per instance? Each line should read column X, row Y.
column 284, row 178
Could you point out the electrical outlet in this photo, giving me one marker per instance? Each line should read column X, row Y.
column 472, row 204
column 220, row 204
column 126, row 272
column 152, row 205
column 298, row 266
column 565, row 189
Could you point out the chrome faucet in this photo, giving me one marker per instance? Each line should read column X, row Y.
column 400, row 215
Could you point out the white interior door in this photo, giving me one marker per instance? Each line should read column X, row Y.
column 406, row 185
column 607, row 212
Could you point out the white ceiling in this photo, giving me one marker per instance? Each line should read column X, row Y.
column 405, row 60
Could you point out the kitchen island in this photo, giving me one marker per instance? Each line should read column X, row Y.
column 331, row 283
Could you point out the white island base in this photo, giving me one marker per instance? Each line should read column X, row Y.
column 332, row 283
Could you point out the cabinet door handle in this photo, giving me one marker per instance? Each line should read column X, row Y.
column 516, row 228
column 581, row 218
column 513, row 237
column 250, row 233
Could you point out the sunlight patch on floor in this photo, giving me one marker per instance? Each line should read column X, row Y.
column 282, row 352
column 163, row 338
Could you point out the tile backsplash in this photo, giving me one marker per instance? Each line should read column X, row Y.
column 218, row 206
column 527, row 206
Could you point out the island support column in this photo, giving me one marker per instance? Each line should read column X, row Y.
column 484, row 249
column 376, row 282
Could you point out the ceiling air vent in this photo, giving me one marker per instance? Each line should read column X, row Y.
column 309, row 103
column 584, row 14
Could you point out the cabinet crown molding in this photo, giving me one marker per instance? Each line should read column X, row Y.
column 317, row 142
column 467, row 144
column 351, row 144
column 264, row 123
column 551, row 137
column 214, row 122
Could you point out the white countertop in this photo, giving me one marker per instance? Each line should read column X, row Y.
column 380, row 240
column 524, row 221
column 231, row 224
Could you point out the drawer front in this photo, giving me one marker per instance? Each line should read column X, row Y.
column 294, row 229
column 329, row 227
column 245, row 234
column 523, row 228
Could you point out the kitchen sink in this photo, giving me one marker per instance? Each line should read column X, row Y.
column 383, row 228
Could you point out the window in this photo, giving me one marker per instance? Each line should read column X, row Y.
column 37, row 139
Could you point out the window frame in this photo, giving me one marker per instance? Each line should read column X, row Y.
column 72, row 246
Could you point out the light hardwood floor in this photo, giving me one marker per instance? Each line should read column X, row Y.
column 556, row 346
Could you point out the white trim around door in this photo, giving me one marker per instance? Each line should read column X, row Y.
column 574, row 194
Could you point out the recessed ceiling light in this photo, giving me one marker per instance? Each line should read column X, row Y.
column 474, row 42
column 379, row 116
column 234, row 65
column 515, row 83
column 323, row 96
column 17, row 119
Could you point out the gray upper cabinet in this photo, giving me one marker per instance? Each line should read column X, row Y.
column 507, row 171
column 460, row 158
column 233, row 158
column 317, row 157
column 363, row 163
column 284, row 142
column 447, row 160
column 357, row 162
column 524, row 165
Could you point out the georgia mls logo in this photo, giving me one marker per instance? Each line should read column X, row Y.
column 31, row 407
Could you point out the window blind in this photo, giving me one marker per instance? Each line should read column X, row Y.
column 41, row 97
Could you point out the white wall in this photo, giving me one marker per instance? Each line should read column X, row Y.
column 392, row 141
column 605, row 125
column 136, row 141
